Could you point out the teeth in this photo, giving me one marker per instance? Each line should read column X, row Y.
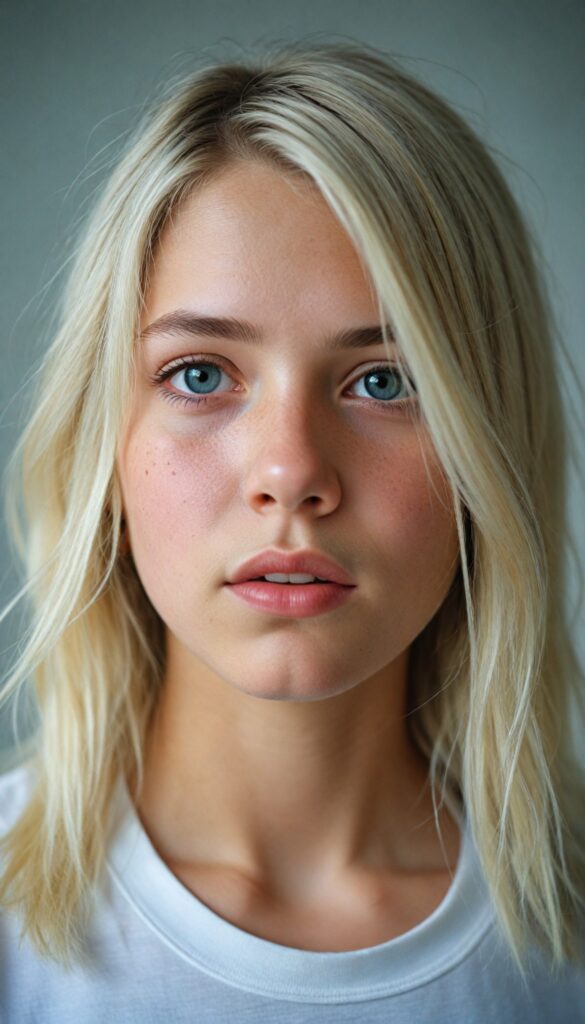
column 295, row 577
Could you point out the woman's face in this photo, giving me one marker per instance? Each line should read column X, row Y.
column 296, row 447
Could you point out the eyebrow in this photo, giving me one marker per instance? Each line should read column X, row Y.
column 181, row 321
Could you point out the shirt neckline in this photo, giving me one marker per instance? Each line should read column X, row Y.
column 238, row 958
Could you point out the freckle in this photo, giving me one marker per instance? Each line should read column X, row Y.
column 174, row 472
column 146, row 471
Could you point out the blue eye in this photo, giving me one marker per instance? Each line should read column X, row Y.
column 386, row 379
column 386, row 385
column 202, row 376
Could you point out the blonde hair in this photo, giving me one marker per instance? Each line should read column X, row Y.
column 455, row 272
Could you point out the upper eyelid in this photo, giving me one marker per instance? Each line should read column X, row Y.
column 181, row 361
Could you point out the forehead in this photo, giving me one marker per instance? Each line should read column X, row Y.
column 253, row 237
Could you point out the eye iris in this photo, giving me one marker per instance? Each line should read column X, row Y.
column 199, row 375
column 200, row 379
column 382, row 376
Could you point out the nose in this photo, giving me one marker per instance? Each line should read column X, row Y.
column 292, row 466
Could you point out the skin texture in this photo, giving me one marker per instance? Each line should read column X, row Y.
column 280, row 782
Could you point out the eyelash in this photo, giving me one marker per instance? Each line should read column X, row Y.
column 161, row 376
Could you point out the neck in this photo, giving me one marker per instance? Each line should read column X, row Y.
column 294, row 794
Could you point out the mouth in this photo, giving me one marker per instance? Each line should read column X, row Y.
column 306, row 567
column 287, row 583
column 291, row 600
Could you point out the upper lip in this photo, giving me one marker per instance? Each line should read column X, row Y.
column 313, row 562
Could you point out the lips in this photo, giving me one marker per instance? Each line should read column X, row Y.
column 304, row 561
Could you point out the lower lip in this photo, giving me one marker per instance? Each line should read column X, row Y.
column 292, row 600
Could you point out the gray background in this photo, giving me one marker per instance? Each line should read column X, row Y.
column 75, row 77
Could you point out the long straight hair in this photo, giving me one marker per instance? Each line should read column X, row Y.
column 456, row 272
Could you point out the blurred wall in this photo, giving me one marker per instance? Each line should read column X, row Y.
column 75, row 75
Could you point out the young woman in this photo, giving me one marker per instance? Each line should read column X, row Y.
column 293, row 493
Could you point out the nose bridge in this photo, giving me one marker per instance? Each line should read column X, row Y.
column 291, row 456
column 291, row 406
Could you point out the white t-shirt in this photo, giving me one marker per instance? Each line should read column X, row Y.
column 161, row 956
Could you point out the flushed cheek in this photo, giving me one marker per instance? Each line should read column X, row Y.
column 412, row 517
column 172, row 495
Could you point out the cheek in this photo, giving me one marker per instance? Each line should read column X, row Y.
column 410, row 510
column 171, row 495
